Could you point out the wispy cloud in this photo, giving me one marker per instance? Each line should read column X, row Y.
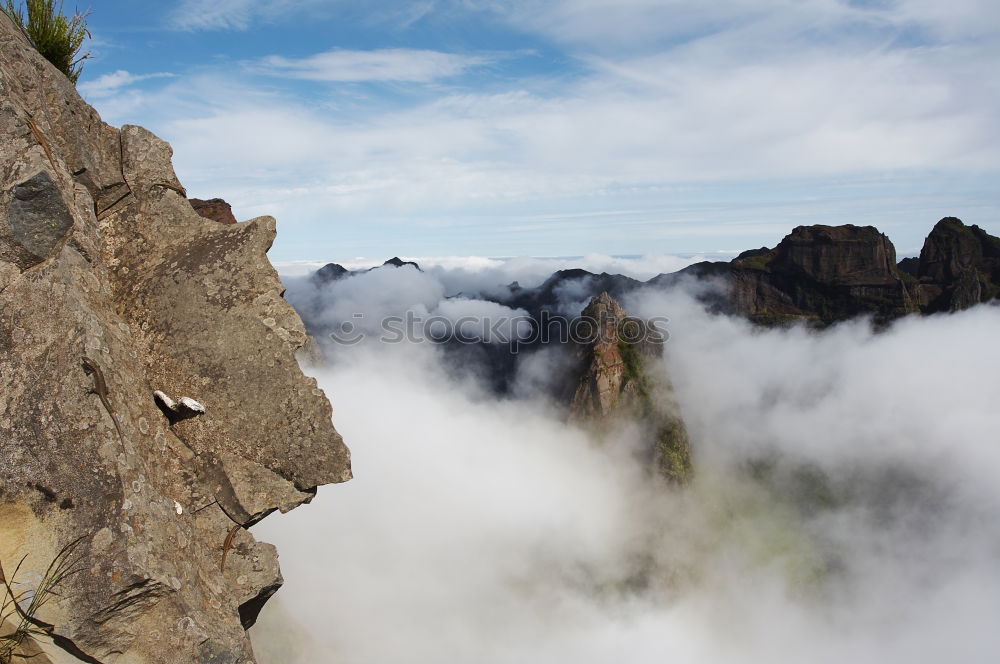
column 109, row 84
column 219, row 14
column 195, row 15
column 850, row 99
column 635, row 25
column 394, row 64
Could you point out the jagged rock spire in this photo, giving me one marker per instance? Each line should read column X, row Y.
column 621, row 379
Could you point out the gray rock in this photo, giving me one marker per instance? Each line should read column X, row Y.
column 38, row 216
column 125, row 273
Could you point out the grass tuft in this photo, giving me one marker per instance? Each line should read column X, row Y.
column 57, row 37
column 20, row 607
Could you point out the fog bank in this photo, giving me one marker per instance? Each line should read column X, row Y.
column 845, row 509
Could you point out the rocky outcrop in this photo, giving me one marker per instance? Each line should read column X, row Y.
column 832, row 273
column 606, row 384
column 215, row 209
column 959, row 267
column 111, row 288
column 827, row 273
column 616, row 384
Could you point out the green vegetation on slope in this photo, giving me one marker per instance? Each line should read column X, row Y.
column 57, row 37
column 672, row 450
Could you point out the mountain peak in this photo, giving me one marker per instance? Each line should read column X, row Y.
column 603, row 306
column 620, row 381
column 396, row 261
column 330, row 272
column 959, row 267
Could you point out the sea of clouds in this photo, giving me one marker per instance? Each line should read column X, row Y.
column 455, row 290
column 845, row 506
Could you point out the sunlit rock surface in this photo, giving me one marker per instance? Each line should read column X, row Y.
column 618, row 386
column 103, row 257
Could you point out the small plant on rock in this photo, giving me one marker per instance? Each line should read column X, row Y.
column 19, row 608
column 57, row 37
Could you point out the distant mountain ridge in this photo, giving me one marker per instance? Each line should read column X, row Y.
column 334, row 271
column 816, row 274
column 822, row 274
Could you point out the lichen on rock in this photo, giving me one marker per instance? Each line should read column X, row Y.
column 103, row 257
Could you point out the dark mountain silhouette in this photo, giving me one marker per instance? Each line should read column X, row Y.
column 334, row 271
column 817, row 274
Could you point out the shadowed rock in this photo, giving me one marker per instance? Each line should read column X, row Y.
column 38, row 215
column 826, row 273
column 396, row 261
column 215, row 209
column 959, row 267
column 329, row 272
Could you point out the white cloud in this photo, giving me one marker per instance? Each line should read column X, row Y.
column 635, row 123
column 365, row 300
column 631, row 144
column 479, row 274
column 110, row 84
column 490, row 531
column 245, row 14
column 612, row 26
column 392, row 64
column 216, row 14
column 958, row 20
column 475, row 274
column 233, row 14
column 481, row 320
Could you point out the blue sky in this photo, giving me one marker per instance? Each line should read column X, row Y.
column 565, row 127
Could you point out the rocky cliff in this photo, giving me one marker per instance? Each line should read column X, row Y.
column 616, row 384
column 827, row 273
column 822, row 274
column 831, row 273
column 112, row 288
column 959, row 267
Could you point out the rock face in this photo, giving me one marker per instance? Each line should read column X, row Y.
column 215, row 209
column 959, row 267
column 831, row 273
column 111, row 282
column 827, row 273
column 615, row 384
